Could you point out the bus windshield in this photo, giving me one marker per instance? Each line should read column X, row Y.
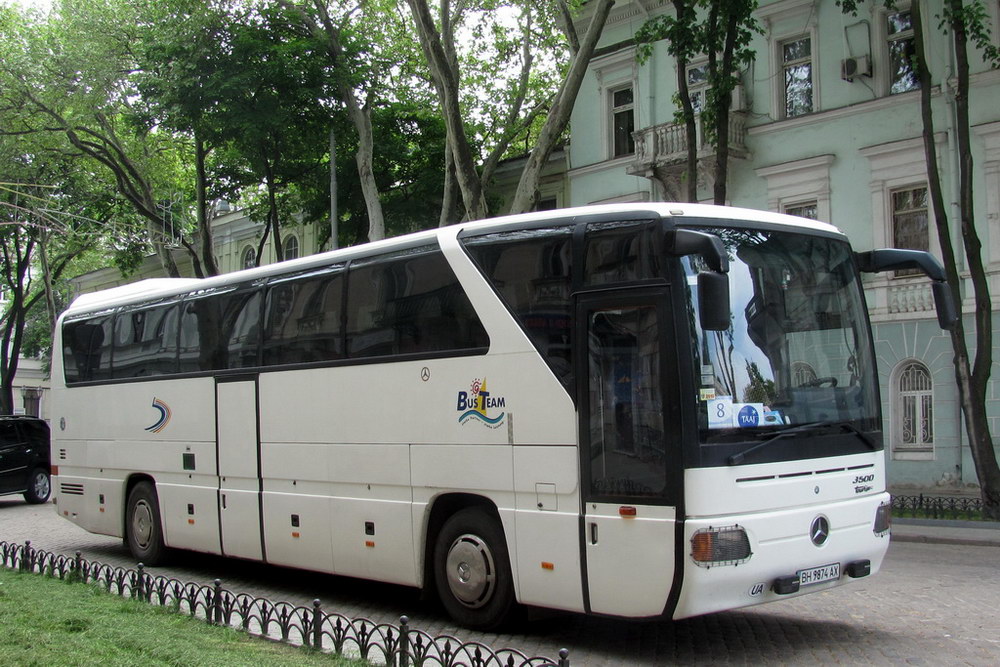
column 797, row 357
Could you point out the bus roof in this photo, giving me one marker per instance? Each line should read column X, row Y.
column 157, row 288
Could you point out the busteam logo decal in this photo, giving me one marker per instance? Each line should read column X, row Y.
column 164, row 419
column 478, row 404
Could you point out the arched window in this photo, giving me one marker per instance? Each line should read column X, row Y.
column 249, row 258
column 913, row 408
column 291, row 248
column 802, row 374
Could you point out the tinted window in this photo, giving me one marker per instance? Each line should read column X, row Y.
column 409, row 303
column 87, row 349
column 621, row 252
column 220, row 330
column 146, row 341
column 531, row 271
column 303, row 318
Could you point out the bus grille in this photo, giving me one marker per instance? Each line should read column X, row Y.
column 71, row 489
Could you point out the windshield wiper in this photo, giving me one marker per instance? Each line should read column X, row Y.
column 737, row 459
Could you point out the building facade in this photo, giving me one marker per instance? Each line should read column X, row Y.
column 826, row 125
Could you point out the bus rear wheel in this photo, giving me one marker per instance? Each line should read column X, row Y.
column 472, row 570
column 143, row 530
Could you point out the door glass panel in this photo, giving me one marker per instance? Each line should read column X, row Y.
column 627, row 449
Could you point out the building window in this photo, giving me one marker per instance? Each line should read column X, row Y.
column 291, row 248
column 914, row 408
column 909, row 222
column 902, row 50
column 622, row 121
column 249, row 258
column 804, row 210
column 697, row 80
column 796, row 61
column 31, row 398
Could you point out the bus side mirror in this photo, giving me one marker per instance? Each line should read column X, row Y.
column 713, row 301
column 944, row 304
column 713, row 283
column 891, row 259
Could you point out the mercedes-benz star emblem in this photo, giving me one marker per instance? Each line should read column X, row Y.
column 819, row 530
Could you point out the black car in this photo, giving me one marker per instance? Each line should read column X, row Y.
column 24, row 457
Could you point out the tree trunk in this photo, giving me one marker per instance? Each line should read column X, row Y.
column 555, row 124
column 723, row 105
column 365, row 158
column 360, row 117
column 448, row 196
column 272, row 211
column 445, row 72
column 334, row 219
column 205, row 244
column 972, row 382
column 977, row 424
column 691, row 132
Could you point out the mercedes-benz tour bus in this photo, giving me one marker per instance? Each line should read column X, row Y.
column 634, row 410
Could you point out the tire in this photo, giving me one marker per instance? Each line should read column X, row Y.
column 143, row 530
column 39, row 487
column 472, row 570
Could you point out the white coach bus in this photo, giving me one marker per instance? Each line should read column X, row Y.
column 641, row 410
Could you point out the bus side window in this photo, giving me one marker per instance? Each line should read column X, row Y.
column 87, row 349
column 302, row 321
column 409, row 303
column 145, row 342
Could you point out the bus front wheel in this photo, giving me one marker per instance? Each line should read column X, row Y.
column 472, row 570
column 143, row 530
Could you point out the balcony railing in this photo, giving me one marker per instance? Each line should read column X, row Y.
column 665, row 145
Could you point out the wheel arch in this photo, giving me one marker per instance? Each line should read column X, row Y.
column 131, row 482
column 442, row 508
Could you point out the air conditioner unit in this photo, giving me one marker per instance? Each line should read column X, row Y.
column 852, row 67
column 738, row 101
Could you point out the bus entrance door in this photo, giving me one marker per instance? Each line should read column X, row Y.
column 239, row 467
column 628, row 440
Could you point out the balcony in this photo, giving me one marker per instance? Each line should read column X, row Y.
column 661, row 150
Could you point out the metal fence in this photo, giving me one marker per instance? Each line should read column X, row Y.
column 937, row 507
column 378, row 643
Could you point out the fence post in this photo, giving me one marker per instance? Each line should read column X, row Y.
column 139, row 582
column 404, row 641
column 78, row 561
column 317, row 627
column 216, row 612
column 26, row 558
column 564, row 657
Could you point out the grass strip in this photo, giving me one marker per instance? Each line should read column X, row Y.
column 49, row 622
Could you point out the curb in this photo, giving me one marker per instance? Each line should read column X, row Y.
column 939, row 539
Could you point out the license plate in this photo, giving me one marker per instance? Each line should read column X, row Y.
column 817, row 575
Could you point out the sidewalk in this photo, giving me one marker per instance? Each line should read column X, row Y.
column 940, row 531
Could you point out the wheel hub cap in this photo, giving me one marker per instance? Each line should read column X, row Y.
column 471, row 572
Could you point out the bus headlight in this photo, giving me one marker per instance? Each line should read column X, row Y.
column 720, row 546
column 883, row 519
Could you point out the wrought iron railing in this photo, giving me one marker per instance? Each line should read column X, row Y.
column 937, row 507
column 379, row 643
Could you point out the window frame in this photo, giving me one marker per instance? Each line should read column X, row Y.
column 782, row 66
column 922, row 449
column 291, row 243
column 886, row 77
column 614, row 112
column 248, row 258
